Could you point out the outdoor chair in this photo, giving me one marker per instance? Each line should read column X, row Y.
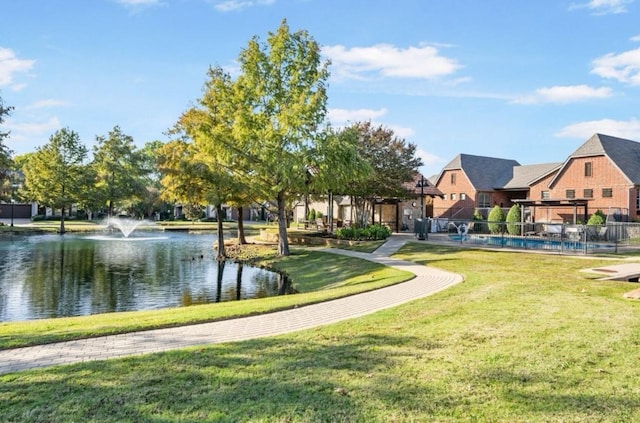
column 554, row 230
column 573, row 233
column 602, row 234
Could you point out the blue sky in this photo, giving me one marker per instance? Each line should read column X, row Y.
column 518, row 79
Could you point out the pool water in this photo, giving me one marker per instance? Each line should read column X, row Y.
column 529, row 242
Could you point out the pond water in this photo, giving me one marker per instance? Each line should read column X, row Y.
column 48, row 276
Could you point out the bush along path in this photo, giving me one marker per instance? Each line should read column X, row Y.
column 426, row 282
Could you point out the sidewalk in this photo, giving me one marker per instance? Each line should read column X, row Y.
column 427, row 281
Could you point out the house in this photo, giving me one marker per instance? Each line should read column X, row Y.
column 602, row 174
column 398, row 214
column 471, row 182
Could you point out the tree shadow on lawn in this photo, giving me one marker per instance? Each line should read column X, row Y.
column 318, row 378
column 551, row 395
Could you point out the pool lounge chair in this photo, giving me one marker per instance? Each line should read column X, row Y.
column 552, row 229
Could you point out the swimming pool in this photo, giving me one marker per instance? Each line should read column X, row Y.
column 549, row 244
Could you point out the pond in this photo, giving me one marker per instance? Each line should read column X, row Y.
column 45, row 276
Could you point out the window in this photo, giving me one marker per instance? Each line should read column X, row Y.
column 607, row 192
column 588, row 169
column 570, row 193
column 453, row 179
column 484, row 200
column 463, row 196
column 587, row 193
column 545, row 195
column 453, row 197
column 637, row 200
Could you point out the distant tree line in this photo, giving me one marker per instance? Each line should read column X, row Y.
column 257, row 137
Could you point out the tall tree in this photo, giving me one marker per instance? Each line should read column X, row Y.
column 54, row 174
column 393, row 163
column 211, row 126
column 119, row 170
column 149, row 200
column 5, row 152
column 281, row 95
column 193, row 179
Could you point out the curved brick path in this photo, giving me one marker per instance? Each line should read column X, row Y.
column 427, row 281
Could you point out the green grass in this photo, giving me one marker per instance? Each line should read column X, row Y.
column 363, row 246
column 317, row 276
column 526, row 338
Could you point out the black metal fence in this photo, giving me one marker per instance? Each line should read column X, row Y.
column 550, row 236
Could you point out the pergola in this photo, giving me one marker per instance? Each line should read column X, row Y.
column 564, row 203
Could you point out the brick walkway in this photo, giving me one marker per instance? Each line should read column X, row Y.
column 427, row 281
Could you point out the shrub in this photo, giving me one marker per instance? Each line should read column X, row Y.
column 312, row 215
column 496, row 217
column 477, row 215
column 513, row 220
column 598, row 218
column 377, row 232
column 373, row 232
column 345, row 233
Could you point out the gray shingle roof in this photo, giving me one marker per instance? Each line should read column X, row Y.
column 623, row 153
column 524, row 176
column 484, row 173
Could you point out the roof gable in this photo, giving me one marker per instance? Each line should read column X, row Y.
column 526, row 175
column 484, row 173
column 625, row 154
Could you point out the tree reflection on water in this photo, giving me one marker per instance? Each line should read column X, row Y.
column 54, row 276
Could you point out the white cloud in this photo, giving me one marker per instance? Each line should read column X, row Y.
column 423, row 62
column 42, row 104
column 233, row 5
column 635, row 38
column 623, row 67
column 23, row 131
column 564, row 94
column 345, row 116
column 629, row 129
column 428, row 159
column 340, row 118
column 401, row 131
column 603, row 7
column 11, row 65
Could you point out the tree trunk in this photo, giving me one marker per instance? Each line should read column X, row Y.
column 62, row 230
column 241, row 238
column 222, row 254
column 283, row 242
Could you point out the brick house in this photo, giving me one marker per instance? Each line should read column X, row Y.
column 471, row 182
column 602, row 174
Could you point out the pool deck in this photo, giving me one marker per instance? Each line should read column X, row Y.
column 617, row 272
column 427, row 281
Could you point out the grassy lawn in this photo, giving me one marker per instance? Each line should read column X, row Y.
column 317, row 276
column 526, row 338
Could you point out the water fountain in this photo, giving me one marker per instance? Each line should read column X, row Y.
column 124, row 225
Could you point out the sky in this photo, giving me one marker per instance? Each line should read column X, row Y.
column 515, row 79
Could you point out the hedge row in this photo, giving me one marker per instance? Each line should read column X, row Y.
column 372, row 232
